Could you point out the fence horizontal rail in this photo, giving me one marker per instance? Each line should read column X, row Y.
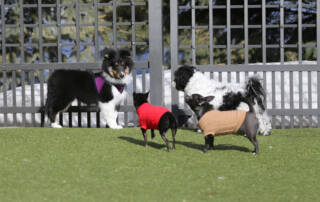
column 258, row 68
column 89, row 66
column 293, row 112
column 8, row 110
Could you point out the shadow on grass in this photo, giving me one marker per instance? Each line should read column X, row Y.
column 141, row 142
column 231, row 147
column 187, row 144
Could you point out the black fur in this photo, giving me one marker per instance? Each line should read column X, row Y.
column 166, row 121
column 66, row 85
column 255, row 91
column 231, row 101
column 182, row 76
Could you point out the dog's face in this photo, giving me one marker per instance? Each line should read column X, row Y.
column 199, row 104
column 182, row 77
column 140, row 98
column 116, row 65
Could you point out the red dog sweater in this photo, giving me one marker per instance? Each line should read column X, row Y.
column 149, row 115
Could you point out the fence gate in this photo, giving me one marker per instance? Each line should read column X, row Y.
column 230, row 40
column 39, row 36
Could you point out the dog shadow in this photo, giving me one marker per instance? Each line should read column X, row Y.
column 141, row 142
column 231, row 147
column 186, row 144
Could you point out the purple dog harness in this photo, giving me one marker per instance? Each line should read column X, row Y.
column 100, row 81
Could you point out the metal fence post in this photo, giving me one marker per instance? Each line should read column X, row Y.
column 155, row 50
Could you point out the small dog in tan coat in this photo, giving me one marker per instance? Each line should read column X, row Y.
column 214, row 122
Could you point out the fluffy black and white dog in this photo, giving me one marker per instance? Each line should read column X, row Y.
column 107, row 88
column 227, row 95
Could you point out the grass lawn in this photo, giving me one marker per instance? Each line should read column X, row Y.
column 80, row 164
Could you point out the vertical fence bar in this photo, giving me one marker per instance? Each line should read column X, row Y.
column 300, row 42
column 14, row 94
column 193, row 29
column 291, row 100
column 4, row 72
column 264, row 51
column 273, row 97
column 210, row 32
column 23, row 96
column 228, row 39
column 282, row 100
column 22, row 53
column 133, row 48
column 143, row 80
column 32, row 82
column 155, row 47
column 96, row 33
column 282, row 58
column 281, row 55
column 318, row 59
column 174, row 51
column 300, row 99
column 228, row 33
column 310, row 97
column 5, row 98
column 78, row 50
column 246, row 32
column 59, row 31
column 114, row 23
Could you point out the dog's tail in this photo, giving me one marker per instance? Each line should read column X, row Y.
column 255, row 91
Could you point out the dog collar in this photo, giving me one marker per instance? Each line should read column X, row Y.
column 99, row 83
column 120, row 87
column 99, row 80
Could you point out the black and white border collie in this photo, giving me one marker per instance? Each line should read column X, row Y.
column 227, row 95
column 106, row 88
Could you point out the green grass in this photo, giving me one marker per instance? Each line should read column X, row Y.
column 43, row 164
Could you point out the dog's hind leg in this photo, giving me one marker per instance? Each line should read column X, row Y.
column 144, row 137
column 163, row 136
column 152, row 133
column 174, row 132
column 254, row 141
column 211, row 142
column 208, row 139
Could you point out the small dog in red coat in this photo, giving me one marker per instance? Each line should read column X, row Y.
column 154, row 117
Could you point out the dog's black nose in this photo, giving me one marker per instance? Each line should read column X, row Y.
column 121, row 75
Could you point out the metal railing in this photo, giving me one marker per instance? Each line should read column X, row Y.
column 279, row 94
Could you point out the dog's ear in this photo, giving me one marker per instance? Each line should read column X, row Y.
column 146, row 95
column 208, row 98
column 108, row 54
column 124, row 53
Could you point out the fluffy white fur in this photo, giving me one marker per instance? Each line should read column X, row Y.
column 204, row 86
column 108, row 109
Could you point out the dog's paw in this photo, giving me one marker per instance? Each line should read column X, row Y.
column 116, row 127
column 56, row 125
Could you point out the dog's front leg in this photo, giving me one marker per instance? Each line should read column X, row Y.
column 207, row 140
column 110, row 114
column 152, row 133
column 144, row 137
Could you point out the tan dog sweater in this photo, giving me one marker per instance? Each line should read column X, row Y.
column 216, row 122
